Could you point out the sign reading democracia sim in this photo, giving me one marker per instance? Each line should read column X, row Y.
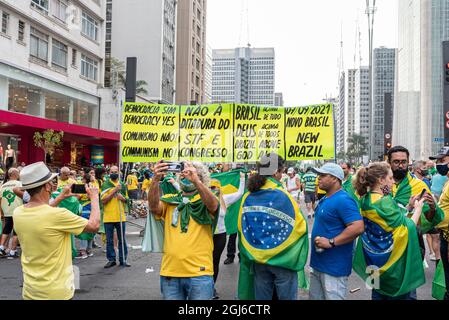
column 226, row 132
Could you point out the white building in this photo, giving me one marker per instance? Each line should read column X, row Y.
column 279, row 99
column 361, row 104
column 423, row 25
column 208, row 75
column 147, row 30
column 340, row 115
column 51, row 68
column 349, row 114
column 244, row 75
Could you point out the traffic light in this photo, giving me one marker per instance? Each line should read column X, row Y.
column 388, row 143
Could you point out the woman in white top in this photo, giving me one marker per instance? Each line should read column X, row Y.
column 293, row 184
column 226, row 200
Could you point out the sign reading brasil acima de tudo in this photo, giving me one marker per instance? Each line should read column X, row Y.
column 226, row 132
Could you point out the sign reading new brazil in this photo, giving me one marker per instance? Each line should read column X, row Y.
column 226, row 132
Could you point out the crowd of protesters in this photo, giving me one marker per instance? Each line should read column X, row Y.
column 377, row 215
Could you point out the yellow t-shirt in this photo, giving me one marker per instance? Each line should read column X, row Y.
column 318, row 190
column 45, row 237
column 444, row 205
column 186, row 254
column 146, row 184
column 111, row 210
column 132, row 182
column 62, row 184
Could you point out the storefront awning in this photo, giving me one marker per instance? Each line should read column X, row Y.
column 18, row 123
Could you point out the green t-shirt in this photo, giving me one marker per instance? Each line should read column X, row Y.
column 309, row 180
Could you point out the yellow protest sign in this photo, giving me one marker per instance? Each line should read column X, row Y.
column 226, row 133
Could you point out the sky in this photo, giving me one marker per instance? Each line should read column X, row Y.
column 306, row 35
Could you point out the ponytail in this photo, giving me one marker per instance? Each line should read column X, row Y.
column 368, row 178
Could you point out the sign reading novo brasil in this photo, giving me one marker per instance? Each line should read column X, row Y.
column 226, row 132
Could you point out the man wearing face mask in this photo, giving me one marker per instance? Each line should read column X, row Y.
column 443, row 169
column 189, row 218
column 421, row 172
column 114, row 197
column 407, row 189
column 44, row 234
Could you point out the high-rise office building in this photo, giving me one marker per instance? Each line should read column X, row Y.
column 191, row 51
column 208, row 76
column 418, row 107
column 349, row 106
column 243, row 75
column 147, row 30
column 361, row 104
column 339, row 111
column 383, row 86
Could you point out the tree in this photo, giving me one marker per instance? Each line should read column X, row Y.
column 48, row 141
column 357, row 148
column 118, row 71
column 342, row 156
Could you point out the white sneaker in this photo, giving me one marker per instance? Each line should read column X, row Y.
column 432, row 257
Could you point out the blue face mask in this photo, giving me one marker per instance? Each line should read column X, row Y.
column 187, row 186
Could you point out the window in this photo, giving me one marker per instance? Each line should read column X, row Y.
column 59, row 9
column 89, row 68
column 40, row 4
column 21, row 34
column 90, row 27
column 74, row 53
column 59, row 54
column 5, row 22
column 38, row 45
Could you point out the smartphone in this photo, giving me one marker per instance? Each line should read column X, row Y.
column 423, row 193
column 79, row 189
column 175, row 167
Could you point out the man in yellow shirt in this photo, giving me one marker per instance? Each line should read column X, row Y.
column 133, row 185
column 190, row 217
column 114, row 197
column 44, row 233
column 146, row 186
column 64, row 178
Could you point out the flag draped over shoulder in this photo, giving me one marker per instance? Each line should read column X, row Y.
column 272, row 231
column 411, row 187
column 167, row 187
column 349, row 188
column 389, row 245
column 108, row 185
column 230, row 182
column 86, row 208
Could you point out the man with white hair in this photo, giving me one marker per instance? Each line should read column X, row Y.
column 190, row 218
column 11, row 198
column 64, row 178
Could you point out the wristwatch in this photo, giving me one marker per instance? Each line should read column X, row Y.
column 332, row 243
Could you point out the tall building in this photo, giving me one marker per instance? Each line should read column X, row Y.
column 279, row 99
column 423, row 25
column 51, row 69
column 383, row 86
column 191, row 51
column 349, row 106
column 208, row 76
column 147, row 30
column 340, row 114
column 361, row 104
column 243, row 75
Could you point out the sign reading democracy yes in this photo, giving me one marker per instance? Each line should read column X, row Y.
column 226, row 132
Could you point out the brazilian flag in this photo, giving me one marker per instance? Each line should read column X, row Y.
column 411, row 187
column 389, row 246
column 349, row 188
column 230, row 182
column 272, row 231
column 86, row 208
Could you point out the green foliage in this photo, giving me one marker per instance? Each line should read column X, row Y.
column 118, row 69
column 48, row 140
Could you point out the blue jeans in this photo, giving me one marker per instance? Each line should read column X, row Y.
column 86, row 244
column 326, row 287
column 196, row 288
column 266, row 278
column 110, row 252
column 376, row 296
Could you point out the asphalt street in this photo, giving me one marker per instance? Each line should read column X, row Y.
column 141, row 281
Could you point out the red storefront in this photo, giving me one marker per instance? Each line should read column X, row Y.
column 78, row 140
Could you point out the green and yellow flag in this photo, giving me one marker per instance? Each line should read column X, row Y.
column 349, row 188
column 388, row 253
column 411, row 187
column 272, row 231
column 230, row 182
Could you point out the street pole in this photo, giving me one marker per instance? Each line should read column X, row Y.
column 370, row 12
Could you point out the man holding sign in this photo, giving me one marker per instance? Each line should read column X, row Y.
column 190, row 218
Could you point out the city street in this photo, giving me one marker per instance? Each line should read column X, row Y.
column 138, row 283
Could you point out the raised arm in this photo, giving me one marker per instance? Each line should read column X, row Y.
column 154, row 203
column 230, row 199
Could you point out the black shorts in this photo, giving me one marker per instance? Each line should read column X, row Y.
column 9, row 226
column 309, row 197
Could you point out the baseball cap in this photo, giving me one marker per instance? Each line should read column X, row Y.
column 291, row 170
column 444, row 152
column 331, row 169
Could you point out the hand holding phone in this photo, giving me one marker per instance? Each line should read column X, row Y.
column 423, row 193
column 79, row 189
column 174, row 167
